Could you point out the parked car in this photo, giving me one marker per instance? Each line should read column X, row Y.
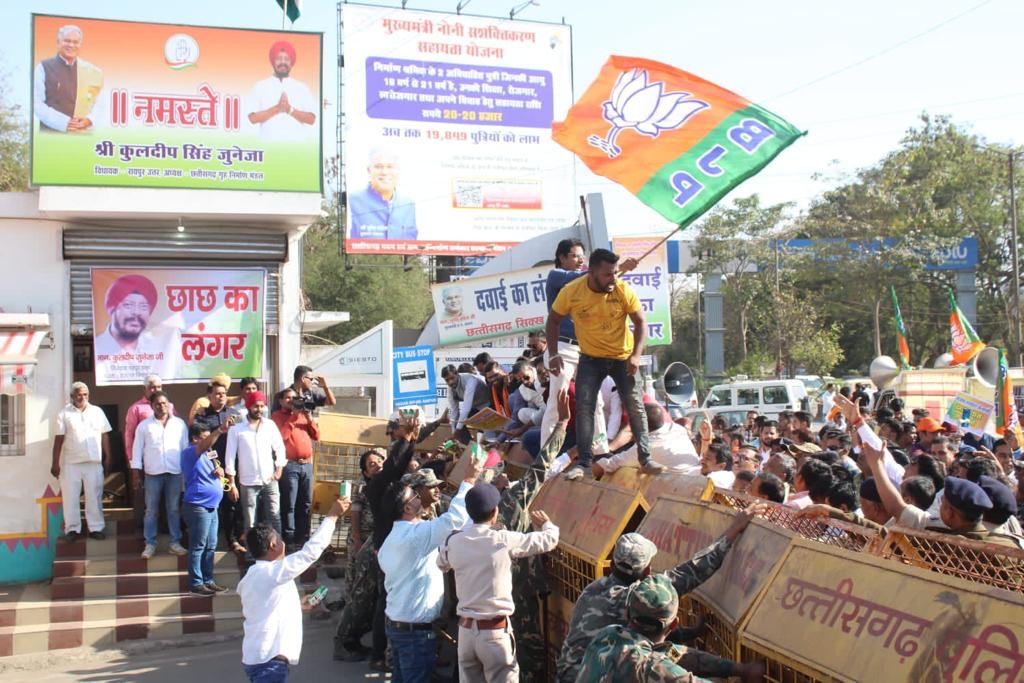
column 767, row 397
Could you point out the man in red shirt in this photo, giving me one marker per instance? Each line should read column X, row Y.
column 298, row 431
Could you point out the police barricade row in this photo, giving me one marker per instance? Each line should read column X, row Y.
column 964, row 558
column 590, row 517
column 682, row 528
column 829, row 614
column 831, row 532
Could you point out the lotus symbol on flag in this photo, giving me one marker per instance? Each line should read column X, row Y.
column 643, row 107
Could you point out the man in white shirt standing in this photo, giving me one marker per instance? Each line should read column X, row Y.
column 81, row 437
column 482, row 559
column 412, row 579
column 283, row 107
column 255, row 458
column 270, row 601
column 159, row 441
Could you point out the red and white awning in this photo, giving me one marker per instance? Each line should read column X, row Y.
column 18, row 348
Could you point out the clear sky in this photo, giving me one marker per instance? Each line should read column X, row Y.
column 855, row 75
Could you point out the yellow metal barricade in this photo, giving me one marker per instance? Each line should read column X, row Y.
column 830, row 614
column 832, row 532
column 681, row 529
column 964, row 558
column 590, row 516
column 653, row 487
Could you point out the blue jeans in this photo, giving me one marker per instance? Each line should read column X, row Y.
column 532, row 444
column 202, row 543
column 274, row 671
column 589, row 375
column 168, row 486
column 414, row 655
column 296, row 499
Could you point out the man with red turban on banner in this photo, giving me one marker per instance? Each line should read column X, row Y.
column 283, row 108
column 130, row 302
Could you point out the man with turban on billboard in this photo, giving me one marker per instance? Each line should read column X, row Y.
column 67, row 89
column 281, row 106
column 130, row 302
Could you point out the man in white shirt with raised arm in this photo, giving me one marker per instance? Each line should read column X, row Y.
column 414, row 583
column 270, row 600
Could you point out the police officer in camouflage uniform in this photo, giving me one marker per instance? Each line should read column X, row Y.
column 363, row 571
column 603, row 602
column 428, row 487
column 529, row 580
column 638, row 652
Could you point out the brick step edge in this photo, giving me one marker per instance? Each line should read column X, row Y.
column 17, row 640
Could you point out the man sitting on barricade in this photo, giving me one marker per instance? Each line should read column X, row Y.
column 670, row 445
column 603, row 602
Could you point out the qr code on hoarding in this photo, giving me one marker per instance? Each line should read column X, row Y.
column 468, row 195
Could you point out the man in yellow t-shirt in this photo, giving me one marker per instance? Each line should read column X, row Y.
column 599, row 305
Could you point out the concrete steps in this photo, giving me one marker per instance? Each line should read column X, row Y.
column 104, row 593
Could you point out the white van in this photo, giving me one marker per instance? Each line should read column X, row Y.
column 767, row 397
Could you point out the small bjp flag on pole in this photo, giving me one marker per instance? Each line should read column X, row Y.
column 966, row 344
column 676, row 141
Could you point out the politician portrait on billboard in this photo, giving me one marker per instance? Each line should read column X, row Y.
column 449, row 148
column 169, row 105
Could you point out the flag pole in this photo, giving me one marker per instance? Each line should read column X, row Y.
column 660, row 242
column 284, row 13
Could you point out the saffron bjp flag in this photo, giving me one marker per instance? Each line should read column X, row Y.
column 1007, row 419
column 676, row 141
column 966, row 343
column 901, row 332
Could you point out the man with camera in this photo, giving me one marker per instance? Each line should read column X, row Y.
column 313, row 390
column 294, row 419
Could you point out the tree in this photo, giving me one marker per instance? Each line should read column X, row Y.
column 376, row 289
column 735, row 241
column 14, row 151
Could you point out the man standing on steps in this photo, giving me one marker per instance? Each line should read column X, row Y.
column 256, row 456
column 159, row 441
column 218, row 418
column 81, row 438
column 203, row 492
column 600, row 304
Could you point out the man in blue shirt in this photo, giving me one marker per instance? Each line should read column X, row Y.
column 378, row 211
column 203, row 492
column 414, row 583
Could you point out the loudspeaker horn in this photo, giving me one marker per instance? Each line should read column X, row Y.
column 986, row 366
column 883, row 371
column 679, row 383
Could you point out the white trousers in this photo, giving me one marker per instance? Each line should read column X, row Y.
column 570, row 359
column 73, row 478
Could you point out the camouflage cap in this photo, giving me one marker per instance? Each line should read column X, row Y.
column 652, row 600
column 633, row 553
column 421, row 477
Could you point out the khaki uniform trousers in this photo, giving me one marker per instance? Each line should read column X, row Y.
column 488, row 655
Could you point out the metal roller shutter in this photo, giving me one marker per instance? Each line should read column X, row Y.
column 96, row 248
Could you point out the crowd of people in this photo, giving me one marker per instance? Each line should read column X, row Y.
column 419, row 559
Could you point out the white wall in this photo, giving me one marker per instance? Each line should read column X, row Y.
column 34, row 277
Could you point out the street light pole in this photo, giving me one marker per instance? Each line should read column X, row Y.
column 1015, row 265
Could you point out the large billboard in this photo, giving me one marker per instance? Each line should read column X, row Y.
column 182, row 324
column 447, row 143
column 129, row 104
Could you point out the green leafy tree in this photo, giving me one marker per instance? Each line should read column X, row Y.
column 736, row 241
column 13, row 142
column 375, row 289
